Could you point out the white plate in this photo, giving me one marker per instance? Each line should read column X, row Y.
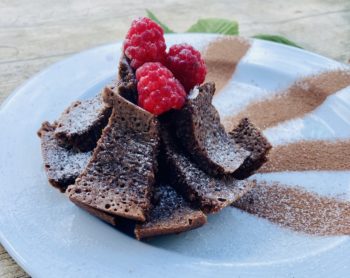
column 50, row 237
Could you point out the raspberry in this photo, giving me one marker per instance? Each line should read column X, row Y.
column 187, row 65
column 144, row 42
column 158, row 89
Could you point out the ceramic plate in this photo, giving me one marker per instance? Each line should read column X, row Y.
column 50, row 237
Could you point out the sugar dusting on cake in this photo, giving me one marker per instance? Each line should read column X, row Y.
column 62, row 166
column 81, row 115
column 221, row 57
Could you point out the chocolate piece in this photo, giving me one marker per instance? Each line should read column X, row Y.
column 128, row 84
column 171, row 214
column 209, row 193
column 250, row 138
column 107, row 217
column 62, row 166
column 199, row 130
column 121, row 173
column 81, row 124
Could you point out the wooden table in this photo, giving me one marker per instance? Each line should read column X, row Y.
column 34, row 34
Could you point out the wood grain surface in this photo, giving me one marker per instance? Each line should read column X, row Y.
column 34, row 34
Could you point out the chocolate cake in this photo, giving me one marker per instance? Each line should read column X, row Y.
column 170, row 214
column 106, row 217
column 62, row 166
column 127, row 81
column 209, row 193
column 250, row 138
column 81, row 124
column 120, row 175
column 200, row 132
column 119, row 181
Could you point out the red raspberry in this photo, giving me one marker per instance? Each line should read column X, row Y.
column 158, row 89
column 187, row 65
column 144, row 42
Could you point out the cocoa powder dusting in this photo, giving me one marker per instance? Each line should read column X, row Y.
column 301, row 98
column 294, row 207
column 309, row 155
column 221, row 57
column 298, row 209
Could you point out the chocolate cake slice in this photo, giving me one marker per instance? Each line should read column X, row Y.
column 81, row 124
column 127, row 81
column 200, row 132
column 209, row 193
column 170, row 214
column 106, row 217
column 62, row 166
column 120, row 175
column 127, row 84
column 250, row 138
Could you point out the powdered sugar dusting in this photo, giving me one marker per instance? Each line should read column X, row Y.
column 62, row 166
column 80, row 116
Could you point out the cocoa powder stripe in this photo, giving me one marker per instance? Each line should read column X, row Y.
column 298, row 209
column 301, row 98
column 309, row 155
column 290, row 207
column 221, row 57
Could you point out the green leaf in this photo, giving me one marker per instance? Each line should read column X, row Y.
column 275, row 38
column 154, row 18
column 215, row 25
